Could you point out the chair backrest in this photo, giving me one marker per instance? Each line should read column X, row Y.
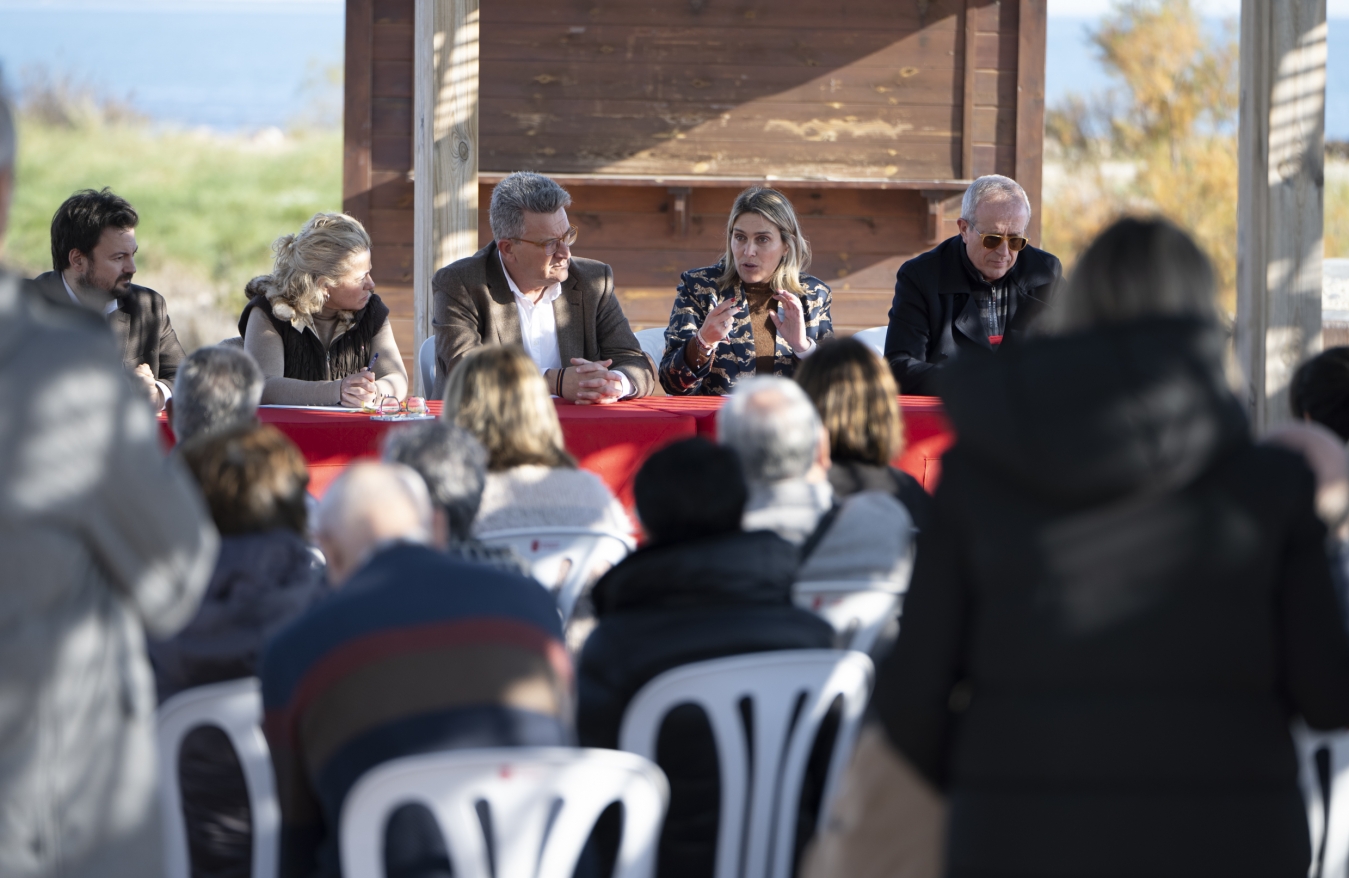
column 426, row 365
column 510, row 812
column 652, row 342
column 873, row 338
column 1323, row 769
column 567, row 560
column 858, row 611
column 788, row 694
column 236, row 709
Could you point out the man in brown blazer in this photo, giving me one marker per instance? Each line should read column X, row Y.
column 94, row 257
column 525, row 288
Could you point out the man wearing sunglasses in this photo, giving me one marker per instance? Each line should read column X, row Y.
column 979, row 289
column 526, row 288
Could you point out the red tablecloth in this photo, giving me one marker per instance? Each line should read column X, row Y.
column 610, row 441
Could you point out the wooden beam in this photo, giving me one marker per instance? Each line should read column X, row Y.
column 1280, row 202
column 970, row 26
column 445, row 146
column 1030, row 105
column 356, row 115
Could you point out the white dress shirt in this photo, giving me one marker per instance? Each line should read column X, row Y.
column 108, row 309
column 538, row 327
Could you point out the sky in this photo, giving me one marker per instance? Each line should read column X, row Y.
column 1094, row 8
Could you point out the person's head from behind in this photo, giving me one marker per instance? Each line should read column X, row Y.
column 857, row 400
column 94, row 241
column 994, row 218
column 689, row 490
column 454, row 467
column 366, row 508
column 529, row 222
column 1139, row 267
column 217, row 388
column 764, row 243
column 324, row 265
column 9, row 147
column 1320, row 391
column 252, row 477
column 497, row 394
column 772, row 425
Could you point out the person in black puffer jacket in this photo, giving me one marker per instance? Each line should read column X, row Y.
column 254, row 480
column 700, row 589
column 1121, row 601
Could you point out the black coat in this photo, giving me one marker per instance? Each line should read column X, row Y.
column 848, row 477
column 934, row 314
column 1121, row 603
column 667, row 606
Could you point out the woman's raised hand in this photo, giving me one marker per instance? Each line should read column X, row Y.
column 791, row 325
column 358, row 387
column 718, row 323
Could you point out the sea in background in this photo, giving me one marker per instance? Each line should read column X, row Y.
column 241, row 65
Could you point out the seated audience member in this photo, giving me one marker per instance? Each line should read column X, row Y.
column 756, row 312
column 417, row 652
column 497, row 395
column 771, row 425
column 218, row 388
column 856, row 398
column 526, row 288
column 699, row 589
column 253, row 479
column 1112, row 560
column 315, row 325
column 454, row 467
column 979, row 289
column 1320, row 391
column 103, row 539
column 93, row 261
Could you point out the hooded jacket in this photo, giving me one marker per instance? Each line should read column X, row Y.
column 670, row 605
column 1119, row 606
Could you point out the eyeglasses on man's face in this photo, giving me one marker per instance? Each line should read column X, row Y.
column 551, row 245
column 992, row 242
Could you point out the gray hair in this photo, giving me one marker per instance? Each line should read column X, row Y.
column 773, row 426
column 9, row 145
column 451, row 462
column 1138, row 267
column 992, row 187
column 217, row 388
column 520, row 192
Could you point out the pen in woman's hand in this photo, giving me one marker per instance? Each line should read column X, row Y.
column 373, row 358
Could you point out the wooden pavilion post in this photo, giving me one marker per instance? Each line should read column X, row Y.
column 445, row 146
column 1281, row 197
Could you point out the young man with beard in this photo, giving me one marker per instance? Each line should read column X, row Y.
column 94, row 260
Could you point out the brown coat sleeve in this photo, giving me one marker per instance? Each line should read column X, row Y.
column 459, row 322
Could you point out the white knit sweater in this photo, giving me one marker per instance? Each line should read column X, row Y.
column 540, row 496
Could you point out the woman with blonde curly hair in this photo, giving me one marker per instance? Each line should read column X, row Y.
column 756, row 312
column 315, row 324
column 497, row 394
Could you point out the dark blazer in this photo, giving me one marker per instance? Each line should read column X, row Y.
column 1120, row 604
column 140, row 324
column 472, row 305
column 934, row 313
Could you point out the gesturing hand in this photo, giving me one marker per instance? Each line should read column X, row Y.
column 718, row 323
column 791, row 326
column 358, row 387
column 596, row 384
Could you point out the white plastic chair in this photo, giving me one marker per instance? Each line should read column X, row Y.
column 858, row 611
column 566, row 560
column 426, row 364
column 873, row 338
column 652, row 342
column 236, row 709
column 1328, row 822
column 541, row 805
column 759, row 801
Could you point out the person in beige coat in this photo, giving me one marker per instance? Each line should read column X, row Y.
column 102, row 538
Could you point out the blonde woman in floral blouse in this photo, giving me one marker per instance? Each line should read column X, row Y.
column 756, row 312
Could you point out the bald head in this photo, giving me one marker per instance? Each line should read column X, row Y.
column 369, row 505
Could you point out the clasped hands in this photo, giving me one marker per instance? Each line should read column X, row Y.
column 146, row 378
column 591, row 382
column 791, row 326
